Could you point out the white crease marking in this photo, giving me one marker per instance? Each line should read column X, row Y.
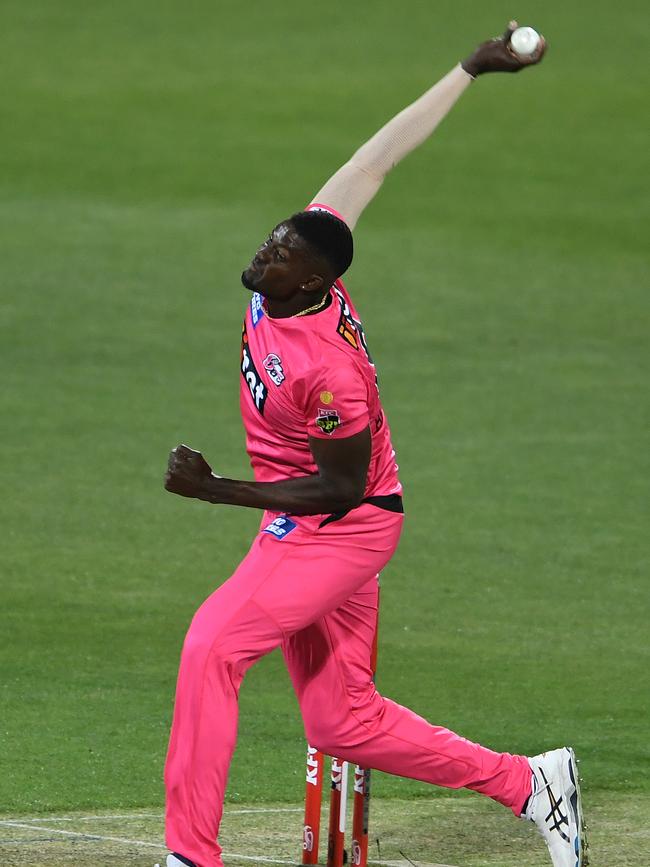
column 258, row 858
column 30, row 827
column 159, row 846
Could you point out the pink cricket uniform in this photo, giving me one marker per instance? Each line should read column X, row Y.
column 310, row 585
column 311, row 376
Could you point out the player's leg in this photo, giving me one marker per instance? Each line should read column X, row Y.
column 204, row 727
column 282, row 585
column 345, row 716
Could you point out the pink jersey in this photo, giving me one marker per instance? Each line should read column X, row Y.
column 310, row 376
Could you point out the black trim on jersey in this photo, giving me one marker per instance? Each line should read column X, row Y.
column 388, row 502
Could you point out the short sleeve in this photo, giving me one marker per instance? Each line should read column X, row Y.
column 335, row 402
column 318, row 206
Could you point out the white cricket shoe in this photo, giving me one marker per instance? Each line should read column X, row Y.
column 173, row 861
column 555, row 807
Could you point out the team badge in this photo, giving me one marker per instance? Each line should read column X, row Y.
column 328, row 420
column 326, row 397
column 273, row 366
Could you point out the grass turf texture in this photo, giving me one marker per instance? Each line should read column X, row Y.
column 501, row 278
column 438, row 833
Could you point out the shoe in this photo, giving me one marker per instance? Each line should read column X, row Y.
column 174, row 860
column 555, row 807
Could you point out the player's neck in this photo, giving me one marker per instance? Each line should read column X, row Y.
column 296, row 306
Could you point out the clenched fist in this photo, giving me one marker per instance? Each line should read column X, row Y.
column 188, row 473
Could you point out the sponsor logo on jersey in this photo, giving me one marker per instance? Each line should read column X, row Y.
column 273, row 366
column 349, row 328
column 257, row 311
column 348, row 332
column 251, row 377
column 280, row 528
column 328, row 420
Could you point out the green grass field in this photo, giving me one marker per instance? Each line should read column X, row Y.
column 502, row 276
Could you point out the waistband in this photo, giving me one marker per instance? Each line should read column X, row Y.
column 388, row 502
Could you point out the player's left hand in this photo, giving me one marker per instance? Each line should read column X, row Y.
column 187, row 473
column 496, row 55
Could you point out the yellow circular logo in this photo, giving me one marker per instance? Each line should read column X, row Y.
column 326, row 397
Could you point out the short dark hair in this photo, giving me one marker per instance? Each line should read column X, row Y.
column 328, row 236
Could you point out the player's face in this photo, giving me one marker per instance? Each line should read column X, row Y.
column 282, row 266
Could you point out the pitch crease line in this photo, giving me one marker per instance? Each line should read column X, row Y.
column 79, row 834
column 259, row 858
column 159, row 846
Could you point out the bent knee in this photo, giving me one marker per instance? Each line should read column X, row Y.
column 215, row 648
column 340, row 728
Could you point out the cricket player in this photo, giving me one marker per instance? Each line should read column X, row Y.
column 326, row 478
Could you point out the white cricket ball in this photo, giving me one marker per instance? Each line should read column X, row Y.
column 525, row 41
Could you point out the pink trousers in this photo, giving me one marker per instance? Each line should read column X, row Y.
column 314, row 592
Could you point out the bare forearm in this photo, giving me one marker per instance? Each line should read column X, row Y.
column 412, row 126
column 305, row 495
column 356, row 183
column 338, row 485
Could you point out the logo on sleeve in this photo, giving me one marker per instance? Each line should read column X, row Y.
column 280, row 527
column 349, row 328
column 273, row 366
column 251, row 377
column 347, row 331
column 328, row 420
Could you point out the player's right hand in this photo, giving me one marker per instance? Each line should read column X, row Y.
column 496, row 55
column 187, row 472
